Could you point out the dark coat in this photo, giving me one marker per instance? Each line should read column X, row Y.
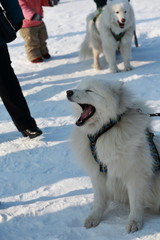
column 100, row 3
column 13, row 12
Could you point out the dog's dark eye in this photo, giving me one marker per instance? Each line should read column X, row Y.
column 125, row 11
column 88, row 90
column 117, row 12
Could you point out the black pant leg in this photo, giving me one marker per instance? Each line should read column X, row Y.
column 11, row 93
column 100, row 3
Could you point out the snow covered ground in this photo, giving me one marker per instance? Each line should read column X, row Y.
column 45, row 195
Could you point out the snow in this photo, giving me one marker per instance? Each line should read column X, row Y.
column 44, row 193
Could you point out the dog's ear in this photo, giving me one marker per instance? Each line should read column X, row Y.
column 117, row 87
column 117, row 90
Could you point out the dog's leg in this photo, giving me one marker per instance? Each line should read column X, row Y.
column 112, row 64
column 136, row 190
column 110, row 55
column 100, row 201
column 96, row 63
column 125, row 49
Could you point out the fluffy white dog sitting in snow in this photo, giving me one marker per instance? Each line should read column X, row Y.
column 113, row 141
column 108, row 31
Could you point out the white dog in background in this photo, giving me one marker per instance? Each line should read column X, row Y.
column 111, row 140
column 108, row 31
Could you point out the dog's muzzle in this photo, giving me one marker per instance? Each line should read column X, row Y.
column 69, row 94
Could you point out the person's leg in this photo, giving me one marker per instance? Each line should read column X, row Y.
column 100, row 3
column 32, row 42
column 11, row 94
column 43, row 36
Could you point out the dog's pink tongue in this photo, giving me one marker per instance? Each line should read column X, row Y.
column 84, row 115
column 87, row 111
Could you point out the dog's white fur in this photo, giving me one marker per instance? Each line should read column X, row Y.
column 99, row 37
column 124, row 149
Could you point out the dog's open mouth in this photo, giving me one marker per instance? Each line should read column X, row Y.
column 88, row 111
column 121, row 25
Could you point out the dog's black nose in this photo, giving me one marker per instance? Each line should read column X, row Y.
column 69, row 93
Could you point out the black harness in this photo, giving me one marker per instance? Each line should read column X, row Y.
column 117, row 37
column 93, row 140
column 103, row 167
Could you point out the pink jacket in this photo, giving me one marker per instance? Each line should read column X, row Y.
column 29, row 8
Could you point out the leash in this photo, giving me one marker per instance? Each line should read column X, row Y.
column 148, row 114
column 135, row 39
column 154, row 114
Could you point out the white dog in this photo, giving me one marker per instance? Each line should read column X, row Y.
column 112, row 140
column 108, row 31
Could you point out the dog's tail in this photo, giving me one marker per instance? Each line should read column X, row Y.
column 85, row 49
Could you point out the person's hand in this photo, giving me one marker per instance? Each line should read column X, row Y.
column 37, row 17
column 54, row 2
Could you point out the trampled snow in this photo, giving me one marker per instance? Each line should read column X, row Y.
column 45, row 195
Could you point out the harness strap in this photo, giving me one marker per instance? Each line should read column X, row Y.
column 93, row 140
column 117, row 37
column 102, row 167
column 99, row 12
column 104, row 129
column 154, row 151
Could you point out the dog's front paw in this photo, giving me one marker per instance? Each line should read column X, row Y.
column 115, row 70
column 134, row 226
column 92, row 221
column 96, row 66
column 128, row 68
